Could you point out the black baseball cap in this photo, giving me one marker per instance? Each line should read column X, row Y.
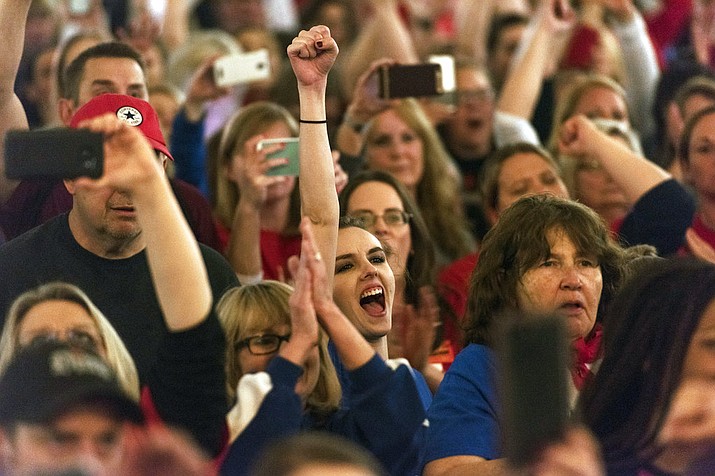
column 46, row 380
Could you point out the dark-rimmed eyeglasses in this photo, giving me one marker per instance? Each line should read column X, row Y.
column 391, row 217
column 262, row 344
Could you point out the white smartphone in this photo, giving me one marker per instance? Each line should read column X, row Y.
column 242, row 68
column 290, row 152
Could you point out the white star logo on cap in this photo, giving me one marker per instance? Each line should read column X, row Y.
column 130, row 115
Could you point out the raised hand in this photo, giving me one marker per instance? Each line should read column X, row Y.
column 129, row 161
column 341, row 177
column 577, row 136
column 352, row 347
column 365, row 102
column 558, row 15
column 202, row 88
column 312, row 54
column 414, row 329
column 248, row 170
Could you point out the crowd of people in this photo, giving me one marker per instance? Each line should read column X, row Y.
column 195, row 311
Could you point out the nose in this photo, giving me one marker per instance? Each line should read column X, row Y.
column 397, row 147
column 379, row 228
column 368, row 270
column 571, row 279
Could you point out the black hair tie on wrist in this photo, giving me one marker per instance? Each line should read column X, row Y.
column 303, row 121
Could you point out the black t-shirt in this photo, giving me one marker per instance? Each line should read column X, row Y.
column 121, row 288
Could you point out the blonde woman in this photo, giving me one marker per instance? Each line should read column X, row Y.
column 402, row 141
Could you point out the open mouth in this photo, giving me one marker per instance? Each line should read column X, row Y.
column 474, row 123
column 572, row 307
column 373, row 301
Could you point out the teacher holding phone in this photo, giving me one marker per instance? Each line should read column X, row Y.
column 545, row 255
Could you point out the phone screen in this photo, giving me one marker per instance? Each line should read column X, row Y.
column 410, row 80
column 290, row 151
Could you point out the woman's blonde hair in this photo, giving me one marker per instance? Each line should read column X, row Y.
column 248, row 122
column 253, row 307
column 201, row 45
column 566, row 104
column 118, row 356
column 438, row 191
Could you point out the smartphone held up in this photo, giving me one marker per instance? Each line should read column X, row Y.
column 242, row 68
column 290, row 152
column 60, row 153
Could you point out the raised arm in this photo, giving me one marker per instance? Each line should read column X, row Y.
column 312, row 54
column 364, row 105
column 640, row 59
column 175, row 261
column 634, row 174
column 13, row 16
column 474, row 20
column 248, row 171
column 383, row 36
column 533, row 61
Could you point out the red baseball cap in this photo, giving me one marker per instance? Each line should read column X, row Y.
column 134, row 111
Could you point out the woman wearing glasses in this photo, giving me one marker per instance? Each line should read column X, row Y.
column 386, row 210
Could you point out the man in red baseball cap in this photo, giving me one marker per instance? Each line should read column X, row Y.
column 133, row 111
column 117, row 225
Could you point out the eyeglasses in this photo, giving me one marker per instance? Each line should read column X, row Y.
column 73, row 337
column 391, row 217
column 263, row 344
column 480, row 95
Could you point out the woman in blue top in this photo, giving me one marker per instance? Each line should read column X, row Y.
column 545, row 255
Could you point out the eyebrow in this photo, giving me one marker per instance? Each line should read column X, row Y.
column 371, row 251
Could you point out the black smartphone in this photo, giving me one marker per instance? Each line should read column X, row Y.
column 53, row 153
column 410, row 80
column 533, row 356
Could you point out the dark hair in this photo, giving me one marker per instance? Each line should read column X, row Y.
column 64, row 49
column 687, row 135
column 72, row 76
column 290, row 454
column 518, row 241
column 421, row 261
column 647, row 331
column 493, row 164
column 501, row 22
